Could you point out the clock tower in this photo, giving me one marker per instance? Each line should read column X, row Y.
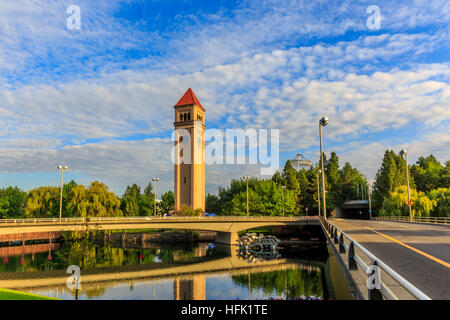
column 189, row 169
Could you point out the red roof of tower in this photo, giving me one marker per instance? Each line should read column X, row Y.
column 189, row 98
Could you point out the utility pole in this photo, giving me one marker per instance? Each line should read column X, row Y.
column 318, row 190
column 404, row 153
column 155, row 180
column 246, row 182
column 322, row 123
column 61, row 168
column 370, row 201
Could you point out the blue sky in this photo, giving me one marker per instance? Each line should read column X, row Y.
column 100, row 99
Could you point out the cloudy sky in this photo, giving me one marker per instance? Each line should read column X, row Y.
column 100, row 98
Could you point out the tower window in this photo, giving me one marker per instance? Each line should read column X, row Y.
column 184, row 179
column 189, row 116
column 184, row 115
column 181, row 117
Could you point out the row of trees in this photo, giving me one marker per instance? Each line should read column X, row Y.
column 429, row 183
column 80, row 201
column 267, row 197
column 429, row 187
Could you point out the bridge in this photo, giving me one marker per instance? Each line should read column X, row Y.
column 227, row 227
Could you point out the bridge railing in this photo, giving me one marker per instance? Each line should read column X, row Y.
column 439, row 220
column 153, row 218
column 347, row 246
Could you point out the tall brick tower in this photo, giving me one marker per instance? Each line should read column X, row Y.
column 189, row 178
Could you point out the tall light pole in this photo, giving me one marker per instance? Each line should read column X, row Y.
column 318, row 190
column 404, row 153
column 322, row 123
column 61, row 168
column 246, row 182
column 155, row 180
column 282, row 195
column 370, row 200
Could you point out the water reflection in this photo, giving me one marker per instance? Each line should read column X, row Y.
column 193, row 272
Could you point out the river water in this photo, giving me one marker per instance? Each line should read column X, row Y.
column 171, row 271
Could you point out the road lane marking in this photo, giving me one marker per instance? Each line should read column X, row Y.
column 445, row 264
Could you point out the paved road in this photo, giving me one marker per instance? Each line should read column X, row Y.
column 419, row 252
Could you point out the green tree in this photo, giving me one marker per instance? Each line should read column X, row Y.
column 212, row 203
column 12, row 202
column 442, row 198
column 43, row 202
column 391, row 175
column 289, row 179
column 4, row 208
column 395, row 205
column 146, row 206
column 131, row 201
column 265, row 198
column 96, row 201
column 167, row 203
column 427, row 173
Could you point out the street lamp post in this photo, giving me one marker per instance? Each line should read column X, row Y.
column 62, row 168
column 370, row 200
column 282, row 195
column 404, row 153
column 246, row 182
column 318, row 190
column 322, row 123
column 155, row 180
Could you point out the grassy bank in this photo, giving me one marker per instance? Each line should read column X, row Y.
column 6, row 294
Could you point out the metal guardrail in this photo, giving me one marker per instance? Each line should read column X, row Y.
column 439, row 220
column 338, row 236
column 153, row 218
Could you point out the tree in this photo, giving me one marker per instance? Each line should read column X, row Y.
column 212, row 203
column 4, row 208
column 43, row 202
column 12, row 202
column 442, row 198
column 289, row 178
column 332, row 170
column 265, row 198
column 391, row 175
column 131, row 201
column 96, row 201
column 395, row 205
column 146, row 206
column 167, row 203
column 427, row 173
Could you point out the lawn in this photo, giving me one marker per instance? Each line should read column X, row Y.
column 6, row 294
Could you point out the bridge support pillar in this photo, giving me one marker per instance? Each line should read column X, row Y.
column 229, row 238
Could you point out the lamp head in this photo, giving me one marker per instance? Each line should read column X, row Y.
column 66, row 167
column 59, row 167
column 323, row 121
column 403, row 152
